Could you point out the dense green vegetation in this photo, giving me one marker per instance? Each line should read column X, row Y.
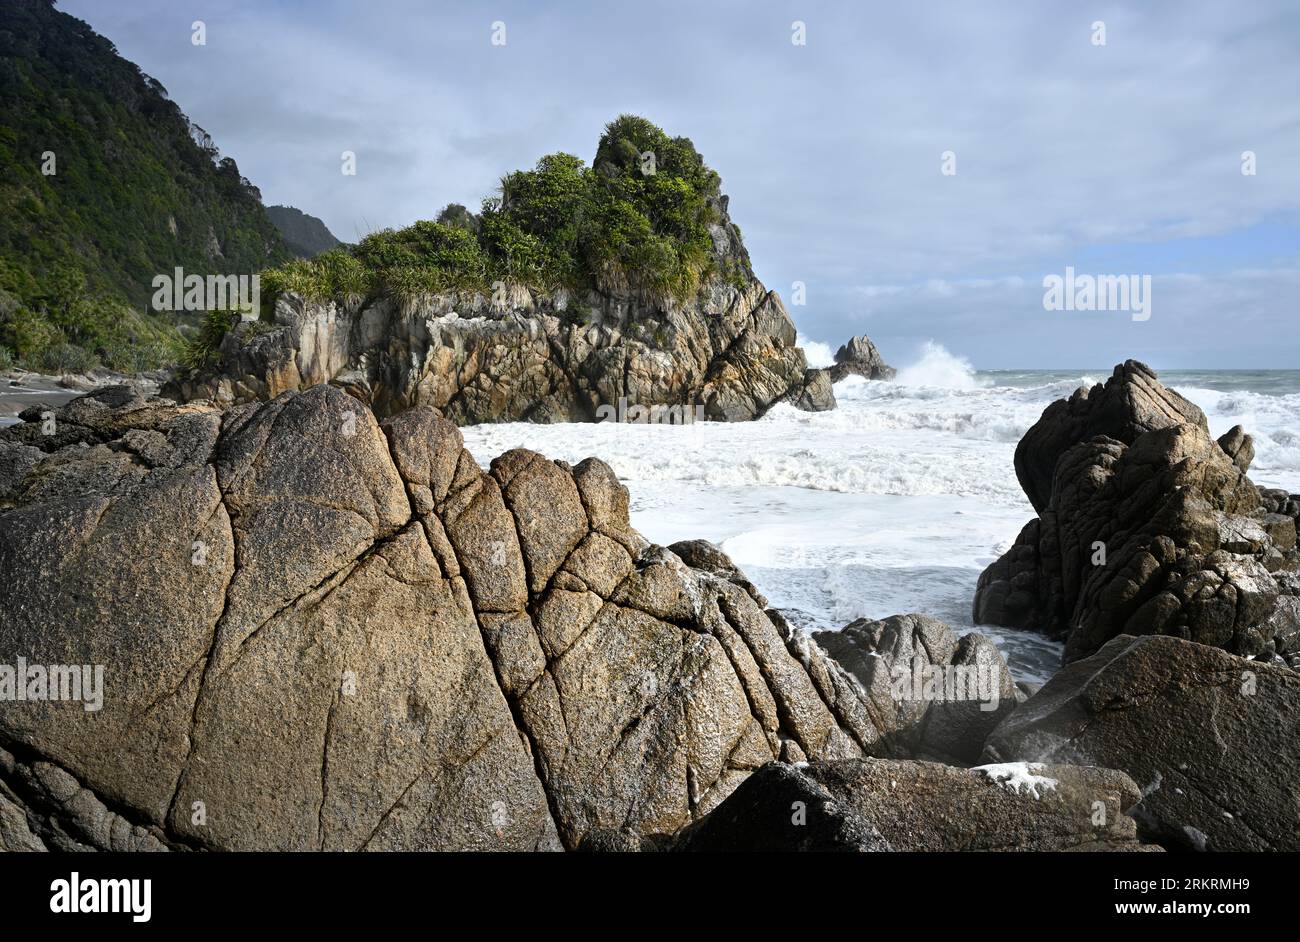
column 636, row 220
column 137, row 191
column 67, row 329
column 107, row 184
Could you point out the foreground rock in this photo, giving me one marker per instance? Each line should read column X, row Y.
column 1211, row 739
column 881, row 805
column 318, row 632
column 1156, row 532
column 859, row 357
column 531, row 356
column 943, row 695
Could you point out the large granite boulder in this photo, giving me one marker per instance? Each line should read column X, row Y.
column 1210, row 738
column 1160, row 534
column 882, row 805
column 318, row 631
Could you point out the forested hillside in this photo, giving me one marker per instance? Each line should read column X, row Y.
column 106, row 185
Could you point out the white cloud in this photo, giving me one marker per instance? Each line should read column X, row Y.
column 830, row 152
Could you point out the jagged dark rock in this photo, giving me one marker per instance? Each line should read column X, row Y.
column 895, row 658
column 859, row 357
column 1238, row 446
column 1128, row 404
column 1157, row 533
column 879, row 804
column 1209, row 737
column 320, row 632
column 815, row 394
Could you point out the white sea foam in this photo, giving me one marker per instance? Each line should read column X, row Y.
column 938, row 367
column 1016, row 775
column 1273, row 421
column 817, row 354
column 893, row 502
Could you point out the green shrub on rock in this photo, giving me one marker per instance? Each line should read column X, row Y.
column 637, row 220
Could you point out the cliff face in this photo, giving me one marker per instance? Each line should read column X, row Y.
column 519, row 354
column 730, row 352
column 546, row 358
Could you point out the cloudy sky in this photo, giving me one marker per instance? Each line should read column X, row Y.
column 1123, row 158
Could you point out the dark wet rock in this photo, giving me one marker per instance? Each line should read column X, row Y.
column 859, row 357
column 1238, row 446
column 1209, row 737
column 1130, row 403
column 942, row 696
column 904, row 805
column 1161, row 533
column 815, row 394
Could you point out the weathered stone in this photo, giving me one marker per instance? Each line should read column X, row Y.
column 859, row 357
column 1130, row 403
column 535, row 356
column 1209, row 737
column 321, row 633
column 815, row 394
column 1159, row 533
column 936, row 696
column 1238, row 446
column 882, row 804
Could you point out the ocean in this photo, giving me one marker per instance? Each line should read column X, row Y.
column 895, row 501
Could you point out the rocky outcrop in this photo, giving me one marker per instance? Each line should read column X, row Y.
column 877, row 805
column 859, row 357
column 815, row 394
column 1128, row 404
column 943, row 695
column 1157, row 533
column 1210, row 738
column 522, row 355
column 322, row 632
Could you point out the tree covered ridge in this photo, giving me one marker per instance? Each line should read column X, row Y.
column 138, row 191
column 636, row 222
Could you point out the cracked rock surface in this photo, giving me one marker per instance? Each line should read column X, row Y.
column 323, row 632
